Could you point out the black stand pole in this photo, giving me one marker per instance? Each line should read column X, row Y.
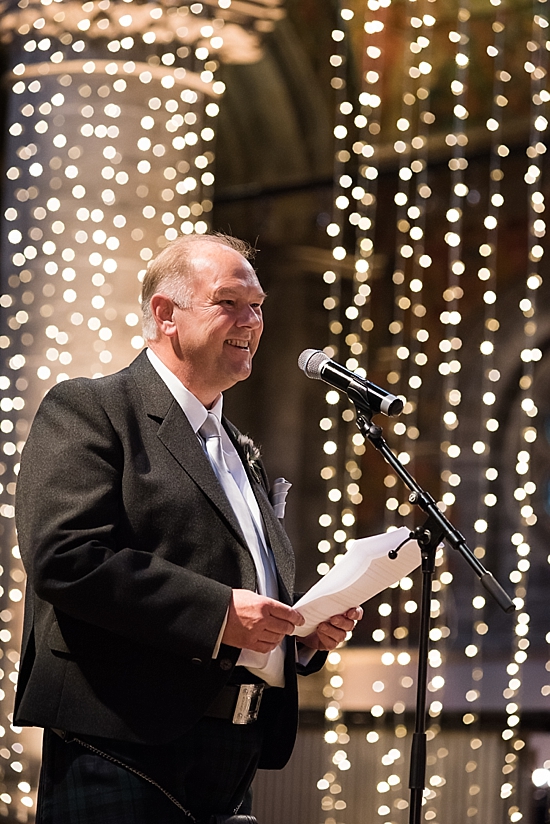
column 436, row 528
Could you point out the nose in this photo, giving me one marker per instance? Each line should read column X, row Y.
column 250, row 317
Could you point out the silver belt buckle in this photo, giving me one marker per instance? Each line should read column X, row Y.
column 248, row 703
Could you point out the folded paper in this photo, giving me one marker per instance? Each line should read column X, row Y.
column 364, row 571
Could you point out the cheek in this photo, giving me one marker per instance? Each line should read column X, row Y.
column 258, row 334
column 214, row 332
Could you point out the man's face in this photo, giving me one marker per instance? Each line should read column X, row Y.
column 220, row 332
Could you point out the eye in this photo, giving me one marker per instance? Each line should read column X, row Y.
column 227, row 302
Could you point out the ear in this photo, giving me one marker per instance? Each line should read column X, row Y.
column 162, row 309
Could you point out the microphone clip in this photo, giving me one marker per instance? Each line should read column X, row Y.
column 363, row 419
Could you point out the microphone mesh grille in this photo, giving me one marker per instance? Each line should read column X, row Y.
column 311, row 361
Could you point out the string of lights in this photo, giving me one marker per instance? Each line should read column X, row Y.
column 413, row 124
column 338, row 516
column 363, row 218
column 449, row 368
column 486, row 472
column 392, row 784
column 536, row 67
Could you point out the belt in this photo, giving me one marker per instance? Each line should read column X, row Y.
column 239, row 704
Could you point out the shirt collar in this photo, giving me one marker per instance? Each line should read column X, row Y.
column 194, row 410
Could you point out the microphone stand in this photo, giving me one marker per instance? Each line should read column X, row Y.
column 435, row 529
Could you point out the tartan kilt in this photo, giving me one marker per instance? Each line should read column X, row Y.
column 209, row 771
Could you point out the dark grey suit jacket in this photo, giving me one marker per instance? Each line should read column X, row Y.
column 131, row 550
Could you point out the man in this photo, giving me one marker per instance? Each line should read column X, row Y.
column 160, row 582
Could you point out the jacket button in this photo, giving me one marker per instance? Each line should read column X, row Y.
column 226, row 664
column 196, row 662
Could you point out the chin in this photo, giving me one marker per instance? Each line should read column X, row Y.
column 242, row 374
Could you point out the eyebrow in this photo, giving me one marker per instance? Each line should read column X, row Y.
column 226, row 291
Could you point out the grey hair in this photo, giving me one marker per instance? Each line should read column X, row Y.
column 172, row 273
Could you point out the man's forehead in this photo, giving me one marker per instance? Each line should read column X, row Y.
column 219, row 268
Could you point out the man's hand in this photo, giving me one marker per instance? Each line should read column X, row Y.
column 258, row 623
column 332, row 632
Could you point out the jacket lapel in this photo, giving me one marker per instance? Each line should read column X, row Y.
column 177, row 435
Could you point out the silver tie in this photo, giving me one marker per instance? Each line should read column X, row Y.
column 265, row 572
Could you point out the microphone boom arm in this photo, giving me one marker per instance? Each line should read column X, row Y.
column 428, row 505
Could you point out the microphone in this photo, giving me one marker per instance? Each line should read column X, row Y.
column 366, row 395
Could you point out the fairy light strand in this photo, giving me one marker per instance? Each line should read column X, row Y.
column 338, row 517
column 536, row 67
column 490, row 377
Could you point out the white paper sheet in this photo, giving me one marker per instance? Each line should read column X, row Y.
column 363, row 572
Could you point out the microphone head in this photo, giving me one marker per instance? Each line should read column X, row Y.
column 311, row 361
column 392, row 406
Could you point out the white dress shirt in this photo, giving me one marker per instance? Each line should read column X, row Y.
column 268, row 666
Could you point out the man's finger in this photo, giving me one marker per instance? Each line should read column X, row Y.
column 331, row 631
column 286, row 613
column 271, row 637
column 341, row 622
column 329, row 640
column 279, row 625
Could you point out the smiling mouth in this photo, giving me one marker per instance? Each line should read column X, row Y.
column 239, row 344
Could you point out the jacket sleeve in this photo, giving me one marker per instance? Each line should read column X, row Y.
column 316, row 662
column 69, row 516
